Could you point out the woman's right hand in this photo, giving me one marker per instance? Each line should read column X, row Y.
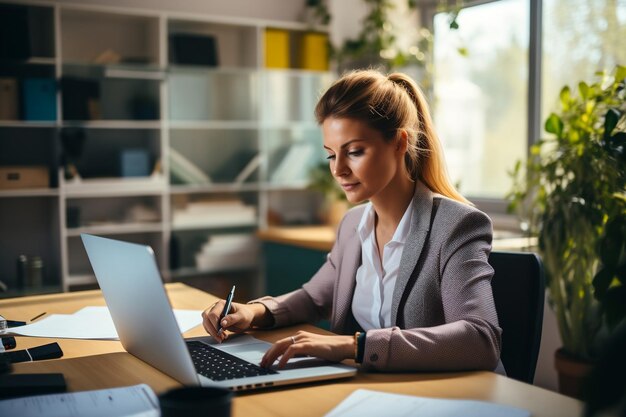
column 239, row 319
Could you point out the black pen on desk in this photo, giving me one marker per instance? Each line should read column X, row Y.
column 37, row 316
column 229, row 300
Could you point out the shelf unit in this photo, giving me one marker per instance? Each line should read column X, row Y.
column 143, row 140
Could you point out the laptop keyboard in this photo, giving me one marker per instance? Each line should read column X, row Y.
column 218, row 365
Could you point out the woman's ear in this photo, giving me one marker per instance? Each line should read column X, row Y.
column 402, row 141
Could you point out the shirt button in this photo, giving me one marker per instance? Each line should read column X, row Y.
column 374, row 357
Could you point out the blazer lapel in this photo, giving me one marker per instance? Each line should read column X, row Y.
column 420, row 224
column 345, row 285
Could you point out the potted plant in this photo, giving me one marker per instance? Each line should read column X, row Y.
column 335, row 202
column 571, row 193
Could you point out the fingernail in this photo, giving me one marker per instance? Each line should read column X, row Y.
column 224, row 322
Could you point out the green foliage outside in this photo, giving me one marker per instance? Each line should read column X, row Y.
column 572, row 193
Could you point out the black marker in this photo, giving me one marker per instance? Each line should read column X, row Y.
column 229, row 300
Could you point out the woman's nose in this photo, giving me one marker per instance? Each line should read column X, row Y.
column 340, row 168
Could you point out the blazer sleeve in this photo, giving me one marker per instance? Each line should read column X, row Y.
column 313, row 301
column 470, row 338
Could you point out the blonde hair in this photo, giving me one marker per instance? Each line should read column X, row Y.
column 391, row 104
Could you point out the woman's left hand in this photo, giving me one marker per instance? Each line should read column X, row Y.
column 331, row 348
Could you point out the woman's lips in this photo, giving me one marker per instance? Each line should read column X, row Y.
column 349, row 186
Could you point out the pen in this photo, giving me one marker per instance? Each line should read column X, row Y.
column 229, row 300
column 36, row 317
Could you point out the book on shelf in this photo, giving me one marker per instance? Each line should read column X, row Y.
column 296, row 164
column 184, row 171
column 249, row 169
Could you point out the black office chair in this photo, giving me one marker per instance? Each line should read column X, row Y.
column 518, row 287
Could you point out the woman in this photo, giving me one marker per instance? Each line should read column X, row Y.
column 407, row 283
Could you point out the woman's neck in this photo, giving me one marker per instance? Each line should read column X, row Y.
column 391, row 204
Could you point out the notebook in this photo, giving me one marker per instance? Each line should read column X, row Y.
column 142, row 314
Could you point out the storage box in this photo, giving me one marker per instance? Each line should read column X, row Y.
column 276, row 48
column 80, row 98
column 193, row 49
column 16, row 177
column 135, row 163
column 313, row 51
column 9, row 99
column 39, row 99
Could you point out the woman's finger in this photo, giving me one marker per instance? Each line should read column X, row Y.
column 210, row 318
column 292, row 350
column 274, row 352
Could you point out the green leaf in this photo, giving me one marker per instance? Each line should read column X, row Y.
column 610, row 121
column 620, row 73
column 554, row 125
column 583, row 88
column 601, row 282
column 566, row 98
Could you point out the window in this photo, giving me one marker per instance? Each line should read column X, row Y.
column 580, row 38
column 481, row 98
column 480, row 106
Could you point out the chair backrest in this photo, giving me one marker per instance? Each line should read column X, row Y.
column 518, row 287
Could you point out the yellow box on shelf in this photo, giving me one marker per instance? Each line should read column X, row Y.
column 313, row 51
column 276, row 48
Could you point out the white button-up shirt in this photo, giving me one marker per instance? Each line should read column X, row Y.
column 375, row 280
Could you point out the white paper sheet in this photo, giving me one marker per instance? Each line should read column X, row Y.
column 92, row 323
column 367, row 403
column 136, row 401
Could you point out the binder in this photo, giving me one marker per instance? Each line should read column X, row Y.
column 276, row 48
column 39, row 99
column 313, row 51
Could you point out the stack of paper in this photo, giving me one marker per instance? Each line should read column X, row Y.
column 366, row 403
column 136, row 401
column 214, row 214
column 225, row 252
column 92, row 323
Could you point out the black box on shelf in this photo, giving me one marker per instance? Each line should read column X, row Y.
column 193, row 49
column 80, row 98
column 14, row 33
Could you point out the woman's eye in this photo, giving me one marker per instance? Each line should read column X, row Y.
column 358, row 152
column 329, row 157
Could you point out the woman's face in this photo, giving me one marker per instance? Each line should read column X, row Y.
column 360, row 159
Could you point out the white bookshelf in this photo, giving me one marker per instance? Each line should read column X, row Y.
column 233, row 122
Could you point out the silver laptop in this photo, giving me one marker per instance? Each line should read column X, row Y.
column 132, row 287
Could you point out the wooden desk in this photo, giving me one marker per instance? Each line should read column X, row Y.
column 322, row 238
column 92, row 364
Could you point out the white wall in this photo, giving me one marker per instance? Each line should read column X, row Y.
column 284, row 10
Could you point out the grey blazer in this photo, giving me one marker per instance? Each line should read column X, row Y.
column 442, row 306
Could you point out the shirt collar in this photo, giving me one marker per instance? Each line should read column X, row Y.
column 366, row 225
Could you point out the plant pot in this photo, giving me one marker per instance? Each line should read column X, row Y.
column 572, row 372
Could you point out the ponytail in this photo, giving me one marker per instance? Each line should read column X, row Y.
column 425, row 158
